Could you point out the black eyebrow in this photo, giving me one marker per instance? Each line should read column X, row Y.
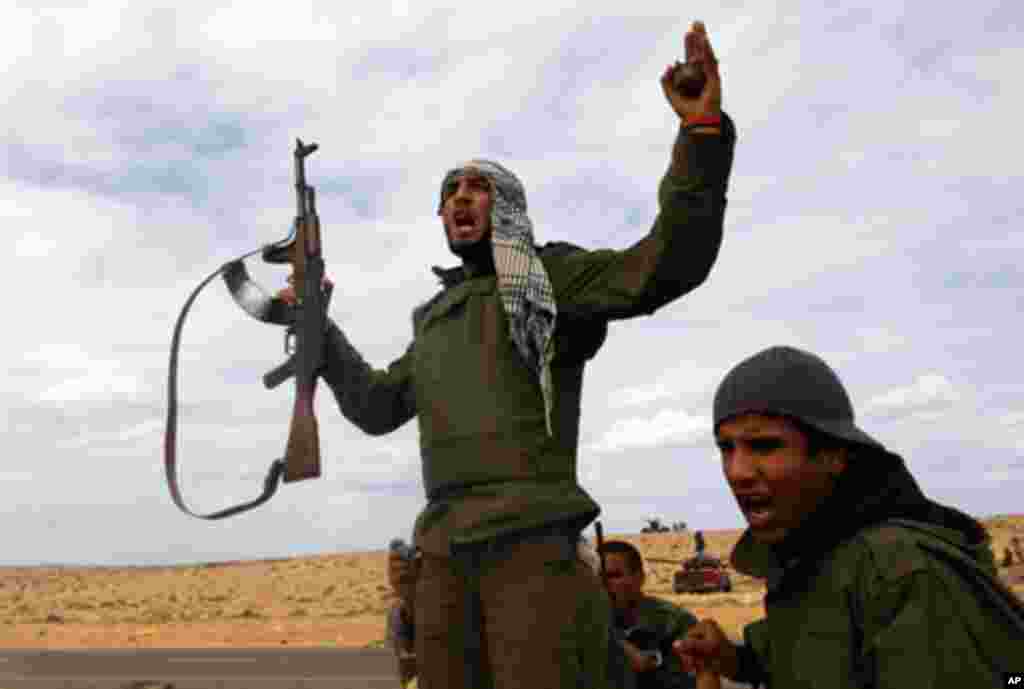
column 478, row 179
column 765, row 443
column 757, row 440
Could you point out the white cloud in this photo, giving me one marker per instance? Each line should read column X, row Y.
column 880, row 340
column 682, row 380
column 777, row 251
column 295, row 21
column 922, row 396
column 667, row 427
column 1004, row 473
column 34, row 244
column 643, row 394
column 150, row 430
column 1013, row 419
column 940, row 129
column 1011, row 426
column 103, row 382
column 81, row 376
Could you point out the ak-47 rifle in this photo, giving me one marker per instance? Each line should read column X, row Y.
column 306, row 321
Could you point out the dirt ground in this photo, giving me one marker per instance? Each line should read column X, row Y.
column 337, row 599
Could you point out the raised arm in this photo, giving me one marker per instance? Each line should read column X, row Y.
column 677, row 254
column 378, row 402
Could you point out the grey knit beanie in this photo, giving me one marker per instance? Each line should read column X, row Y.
column 794, row 383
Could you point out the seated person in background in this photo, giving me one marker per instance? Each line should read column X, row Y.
column 647, row 625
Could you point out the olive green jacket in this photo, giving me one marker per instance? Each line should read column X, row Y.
column 898, row 604
column 489, row 466
column 659, row 623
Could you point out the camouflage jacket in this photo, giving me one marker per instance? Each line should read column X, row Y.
column 893, row 606
column 659, row 623
column 489, row 466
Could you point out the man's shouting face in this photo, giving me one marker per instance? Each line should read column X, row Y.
column 778, row 484
column 466, row 212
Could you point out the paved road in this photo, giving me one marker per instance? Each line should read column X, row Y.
column 205, row 668
column 201, row 668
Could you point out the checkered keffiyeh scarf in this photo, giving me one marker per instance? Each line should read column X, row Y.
column 522, row 281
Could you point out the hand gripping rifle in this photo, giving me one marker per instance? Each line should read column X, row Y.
column 306, row 323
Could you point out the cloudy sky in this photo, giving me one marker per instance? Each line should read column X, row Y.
column 873, row 219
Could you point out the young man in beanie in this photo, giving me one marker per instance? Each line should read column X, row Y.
column 494, row 376
column 869, row 583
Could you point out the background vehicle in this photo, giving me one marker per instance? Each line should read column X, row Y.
column 702, row 574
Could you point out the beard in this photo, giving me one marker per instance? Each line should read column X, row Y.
column 478, row 253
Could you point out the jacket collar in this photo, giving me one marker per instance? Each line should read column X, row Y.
column 450, row 277
column 757, row 560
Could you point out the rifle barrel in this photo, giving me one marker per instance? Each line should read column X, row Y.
column 301, row 151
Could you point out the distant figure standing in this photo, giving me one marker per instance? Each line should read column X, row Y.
column 699, row 538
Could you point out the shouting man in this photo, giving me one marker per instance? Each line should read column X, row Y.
column 870, row 583
column 493, row 377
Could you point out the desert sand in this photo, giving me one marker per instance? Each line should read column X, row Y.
column 334, row 599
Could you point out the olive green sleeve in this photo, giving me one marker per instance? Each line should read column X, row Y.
column 680, row 623
column 377, row 402
column 924, row 629
column 675, row 256
column 753, row 654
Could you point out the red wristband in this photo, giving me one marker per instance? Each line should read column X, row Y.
column 703, row 121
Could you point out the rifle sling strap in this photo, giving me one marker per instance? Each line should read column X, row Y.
column 273, row 479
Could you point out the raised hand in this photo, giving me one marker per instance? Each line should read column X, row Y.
column 287, row 295
column 678, row 79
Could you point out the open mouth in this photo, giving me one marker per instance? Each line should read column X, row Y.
column 757, row 508
column 464, row 225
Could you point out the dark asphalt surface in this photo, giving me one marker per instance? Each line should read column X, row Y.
column 200, row 668
column 205, row 668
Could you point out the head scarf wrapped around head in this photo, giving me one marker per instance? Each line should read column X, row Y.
column 523, row 283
